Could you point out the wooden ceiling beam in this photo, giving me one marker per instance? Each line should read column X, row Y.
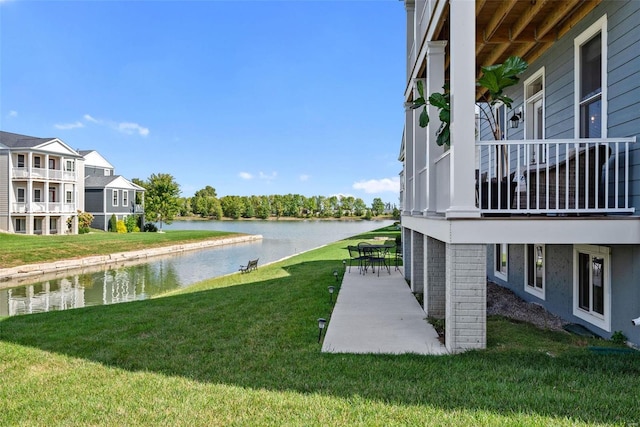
column 587, row 7
column 561, row 11
column 496, row 19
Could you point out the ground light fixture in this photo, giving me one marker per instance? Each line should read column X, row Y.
column 344, row 264
column 335, row 274
column 331, row 290
column 321, row 322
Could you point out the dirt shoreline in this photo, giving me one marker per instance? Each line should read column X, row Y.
column 9, row 276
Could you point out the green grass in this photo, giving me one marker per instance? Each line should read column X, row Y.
column 18, row 249
column 242, row 350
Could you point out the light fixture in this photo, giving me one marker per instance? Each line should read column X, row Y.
column 321, row 323
column 331, row 290
column 344, row 264
column 335, row 274
column 516, row 119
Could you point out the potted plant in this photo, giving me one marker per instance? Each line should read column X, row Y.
column 495, row 79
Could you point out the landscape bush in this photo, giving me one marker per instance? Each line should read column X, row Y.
column 113, row 223
column 131, row 223
column 121, row 227
column 150, row 227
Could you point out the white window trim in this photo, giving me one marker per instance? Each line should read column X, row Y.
column 37, row 195
column 601, row 321
column 500, row 275
column 68, row 199
column 125, row 198
column 600, row 26
column 114, row 197
column 540, row 293
column 24, row 195
column 530, row 100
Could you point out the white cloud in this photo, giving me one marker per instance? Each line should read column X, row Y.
column 267, row 177
column 304, row 177
column 132, row 128
column 68, row 126
column 13, row 113
column 391, row 185
column 91, row 119
column 245, row 175
column 128, row 128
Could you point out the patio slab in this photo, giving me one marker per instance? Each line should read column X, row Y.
column 379, row 314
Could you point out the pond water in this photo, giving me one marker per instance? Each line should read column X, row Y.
column 137, row 281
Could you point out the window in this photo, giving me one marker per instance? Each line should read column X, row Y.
column 590, row 81
column 20, row 160
column 53, row 224
column 20, row 225
column 125, row 198
column 37, row 225
column 37, row 195
column 36, row 162
column 52, row 194
column 69, row 196
column 115, row 197
column 501, row 258
column 591, row 290
column 20, row 195
column 70, row 166
column 534, row 111
column 52, row 163
column 534, row 268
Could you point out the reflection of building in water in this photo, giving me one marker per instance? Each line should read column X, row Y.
column 122, row 285
column 46, row 296
column 105, row 287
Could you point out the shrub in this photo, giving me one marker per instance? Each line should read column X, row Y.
column 113, row 223
column 132, row 223
column 121, row 227
column 150, row 227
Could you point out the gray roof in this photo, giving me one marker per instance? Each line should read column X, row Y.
column 14, row 140
column 99, row 181
column 84, row 152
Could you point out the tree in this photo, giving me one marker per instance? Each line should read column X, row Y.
column 377, row 207
column 162, row 198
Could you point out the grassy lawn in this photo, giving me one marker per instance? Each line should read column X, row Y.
column 18, row 249
column 242, row 350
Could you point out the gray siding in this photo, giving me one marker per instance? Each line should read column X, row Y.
column 93, row 201
column 625, row 293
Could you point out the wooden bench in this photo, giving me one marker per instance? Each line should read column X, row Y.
column 251, row 265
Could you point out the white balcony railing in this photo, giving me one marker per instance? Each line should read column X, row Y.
column 40, row 173
column 574, row 176
column 43, row 207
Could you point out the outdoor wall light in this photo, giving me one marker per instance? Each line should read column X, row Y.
column 321, row 323
column 516, row 119
column 331, row 290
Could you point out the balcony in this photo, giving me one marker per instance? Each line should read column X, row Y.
column 42, row 174
column 43, row 208
column 554, row 177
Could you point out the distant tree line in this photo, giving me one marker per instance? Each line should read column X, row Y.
column 163, row 204
column 205, row 203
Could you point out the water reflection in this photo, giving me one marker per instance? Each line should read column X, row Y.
column 142, row 279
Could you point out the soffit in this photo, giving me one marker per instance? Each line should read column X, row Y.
column 525, row 28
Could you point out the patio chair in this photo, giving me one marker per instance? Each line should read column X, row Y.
column 354, row 255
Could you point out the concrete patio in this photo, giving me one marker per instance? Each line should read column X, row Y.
column 379, row 314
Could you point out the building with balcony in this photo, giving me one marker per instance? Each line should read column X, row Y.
column 41, row 185
column 107, row 194
column 547, row 205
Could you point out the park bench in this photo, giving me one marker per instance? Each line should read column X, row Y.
column 251, row 265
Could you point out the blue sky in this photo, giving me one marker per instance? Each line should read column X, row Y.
column 250, row 97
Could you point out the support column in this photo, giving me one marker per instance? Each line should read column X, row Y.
column 406, row 252
column 463, row 67
column 435, row 82
column 417, row 273
column 435, row 284
column 409, row 171
column 466, row 293
column 419, row 161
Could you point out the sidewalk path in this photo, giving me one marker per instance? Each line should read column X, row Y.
column 379, row 315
